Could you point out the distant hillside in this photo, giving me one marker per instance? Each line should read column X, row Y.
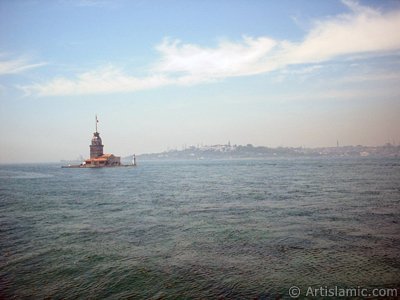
column 250, row 151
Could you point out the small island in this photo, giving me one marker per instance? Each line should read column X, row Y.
column 98, row 159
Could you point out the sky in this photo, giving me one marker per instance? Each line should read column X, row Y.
column 168, row 74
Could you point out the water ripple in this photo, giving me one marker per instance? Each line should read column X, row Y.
column 198, row 230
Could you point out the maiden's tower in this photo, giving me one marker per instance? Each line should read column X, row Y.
column 97, row 157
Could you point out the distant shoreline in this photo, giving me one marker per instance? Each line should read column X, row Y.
column 254, row 152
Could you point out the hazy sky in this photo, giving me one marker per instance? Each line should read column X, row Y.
column 162, row 74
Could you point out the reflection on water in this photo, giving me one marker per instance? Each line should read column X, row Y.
column 232, row 229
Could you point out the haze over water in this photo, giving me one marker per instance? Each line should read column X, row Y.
column 236, row 229
column 164, row 74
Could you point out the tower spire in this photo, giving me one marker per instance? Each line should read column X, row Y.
column 97, row 121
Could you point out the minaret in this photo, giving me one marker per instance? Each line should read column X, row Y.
column 96, row 148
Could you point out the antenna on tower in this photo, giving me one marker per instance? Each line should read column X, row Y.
column 97, row 121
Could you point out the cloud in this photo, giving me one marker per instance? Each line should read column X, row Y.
column 226, row 60
column 302, row 71
column 362, row 30
column 89, row 3
column 101, row 81
column 14, row 66
column 387, row 77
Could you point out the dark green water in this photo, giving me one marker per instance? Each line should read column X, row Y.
column 198, row 230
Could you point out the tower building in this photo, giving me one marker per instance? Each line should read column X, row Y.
column 97, row 156
column 99, row 159
column 96, row 148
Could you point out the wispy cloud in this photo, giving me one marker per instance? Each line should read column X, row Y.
column 101, row 81
column 89, row 3
column 92, row 3
column 226, row 60
column 362, row 30
column 301, row 71
column 14, row 66
column 381, row 76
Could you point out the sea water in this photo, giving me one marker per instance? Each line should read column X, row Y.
column 228, row 229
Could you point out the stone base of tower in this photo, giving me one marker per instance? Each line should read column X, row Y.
column 105, row 160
